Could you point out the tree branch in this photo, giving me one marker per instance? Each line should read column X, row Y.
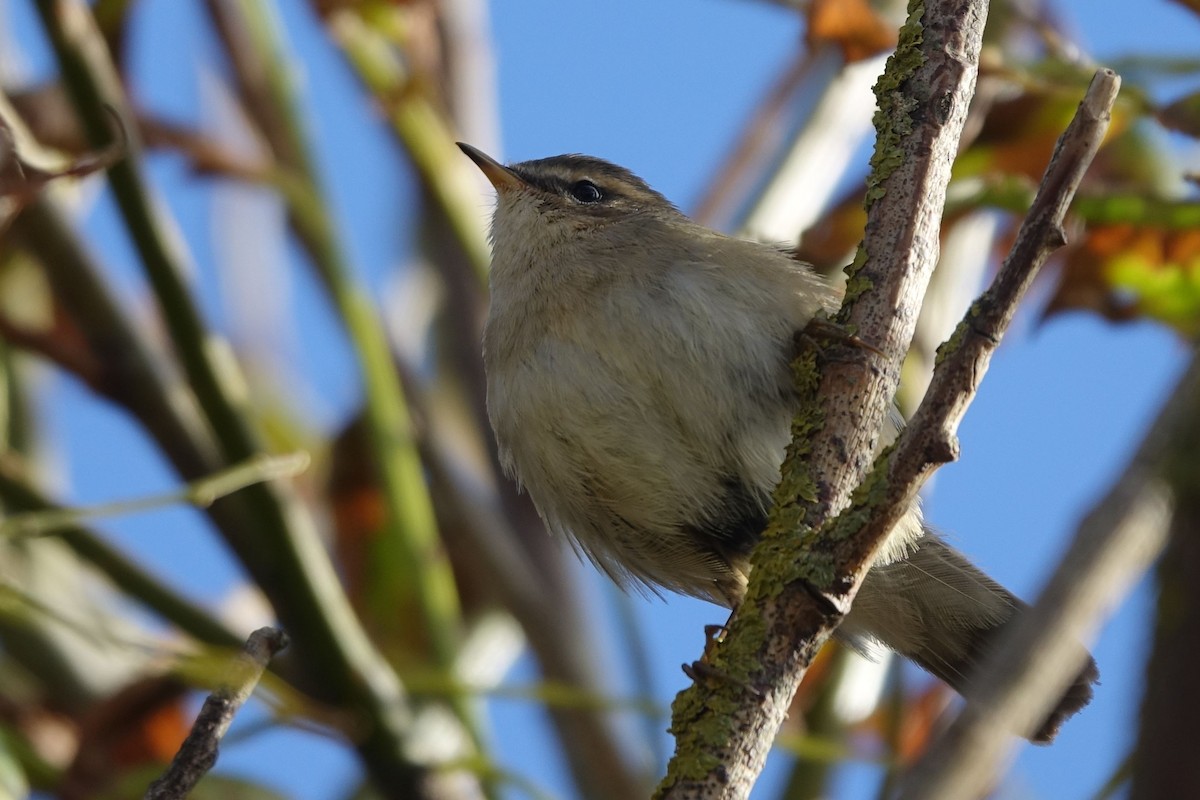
column 1164, row 763
column 802, row 584
column 930, row 439
column 198, row 753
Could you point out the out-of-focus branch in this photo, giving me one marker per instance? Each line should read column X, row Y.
column 1114, row 544
column 1164, row 763
column 201, row 493
column 411, row 553
column 265, row 525
column 427, row 137
column 803, row 578
column 343, row 660
column 94, row 86
column 19, row 495
column 198, row 753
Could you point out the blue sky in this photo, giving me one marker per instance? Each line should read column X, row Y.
column 662, row 88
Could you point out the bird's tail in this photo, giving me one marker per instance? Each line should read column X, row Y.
column 937, row 609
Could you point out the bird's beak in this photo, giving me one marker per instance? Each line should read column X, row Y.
column 503, row 178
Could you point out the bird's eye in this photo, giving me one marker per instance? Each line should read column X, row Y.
column 586, row 192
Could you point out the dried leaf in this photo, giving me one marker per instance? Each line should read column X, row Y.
column 919, row 719
column 1018, row 135
column 852, row 25
column 1183, row 115
column 1124, row 271
column 921, row 716
column 831, row 240
column 142, row 724
column 1191, row 5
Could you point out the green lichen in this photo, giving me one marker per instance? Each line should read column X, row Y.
column 788, row 557
column 703, row 716
column 856, row 284
column 864, row 500
column 796, row 486
column 955, row 341
column 893, row 114
column 700, row 722
column 893, row 121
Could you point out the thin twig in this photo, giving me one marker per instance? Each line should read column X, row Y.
column 200, row 493
column 19, row 495
column 198, row 753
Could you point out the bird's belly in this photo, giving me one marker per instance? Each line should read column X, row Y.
column 639, row 474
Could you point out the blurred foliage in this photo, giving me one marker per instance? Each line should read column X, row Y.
column 404, row 553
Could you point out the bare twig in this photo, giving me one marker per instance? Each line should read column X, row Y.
column 802, row 584
column 20, row 496
column 198, row 753
column 200, row 493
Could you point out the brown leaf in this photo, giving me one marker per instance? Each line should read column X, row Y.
column 1124, row 271
column 1018, row 134
column 919, row 720
column 1183, row 115
column 1191, row 5
column 852, row 25
column 358, row 505
column 921, row 716
column 144, row 723
column 832, row 239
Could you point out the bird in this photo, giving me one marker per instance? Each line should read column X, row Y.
column 639, row 389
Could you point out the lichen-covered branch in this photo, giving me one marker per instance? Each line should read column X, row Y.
column 801, row 584
column 930, row 438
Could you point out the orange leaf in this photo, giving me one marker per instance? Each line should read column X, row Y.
column 831, row 240
column 1125, row 271
column 921, row 716
column 143, row 723
column 852, row 25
